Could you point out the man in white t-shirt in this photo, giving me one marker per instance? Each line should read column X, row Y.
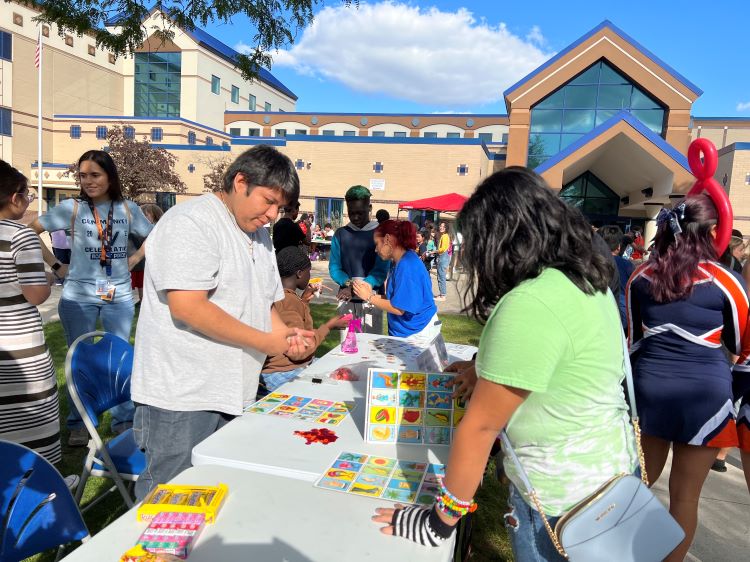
column 207, row 321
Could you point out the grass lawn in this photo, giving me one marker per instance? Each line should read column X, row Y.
column 489, row 541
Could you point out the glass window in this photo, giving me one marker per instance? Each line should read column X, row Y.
column 215, row 84
column 350, row 133
column 399, row 134
column 462, row 170
column 191, row 137
column 253, row 132
column 587, row 101
column 267, row 106
column 329, row 210
column 157, row 84
column 6, row 125
column 6, row 46
column 209, row 141
column 129, row 132
column 378, row 134
column 75, row 131
column 157, row 134
column 300, row 131
column 580, row 97
column 280, row 132
column 251, row 102
column 453, row 135
column 485, row 137
column 591, row 195
column 328, row 132
column 101, row 132
column 430, row 135
column 235, row 94
column 235, row 131
column 377, row 167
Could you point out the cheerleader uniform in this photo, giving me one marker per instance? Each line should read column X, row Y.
column 683, row 381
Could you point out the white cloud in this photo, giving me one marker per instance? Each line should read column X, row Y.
column 418, row 54
column 743, row 106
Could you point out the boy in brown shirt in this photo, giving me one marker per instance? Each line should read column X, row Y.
column 294, row 270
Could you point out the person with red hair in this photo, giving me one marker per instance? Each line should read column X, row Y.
column 408, row 297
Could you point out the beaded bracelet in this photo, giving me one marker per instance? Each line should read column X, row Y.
column 451, row 505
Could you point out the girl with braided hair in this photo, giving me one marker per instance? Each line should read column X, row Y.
column 408, row 296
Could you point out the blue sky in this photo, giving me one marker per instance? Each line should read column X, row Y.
column 452, row 56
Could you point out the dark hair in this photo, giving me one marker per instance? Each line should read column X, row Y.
column 357, row 193
column 304, row 217
column 327, row 225
column 675, row 259
column 266, row 166
column 382, row 215
column 104, row 160
column 612, row 235
column 290, row 260
column 514, row 226
column 403, row 231
column 155, row 211
column 11, row 182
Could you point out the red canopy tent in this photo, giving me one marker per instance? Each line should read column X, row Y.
column 448, row 203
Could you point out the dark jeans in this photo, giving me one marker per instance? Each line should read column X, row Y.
column 168, row 437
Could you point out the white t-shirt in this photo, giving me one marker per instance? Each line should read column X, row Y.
column 197, row 246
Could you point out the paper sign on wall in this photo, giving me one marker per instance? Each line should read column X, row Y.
column 377, row 185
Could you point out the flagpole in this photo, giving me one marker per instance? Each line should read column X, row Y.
column 39, row 167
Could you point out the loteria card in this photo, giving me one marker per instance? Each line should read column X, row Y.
column 314, row 410
column 408, row 407
column 383, row 478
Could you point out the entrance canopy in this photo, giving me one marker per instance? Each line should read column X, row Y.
column 448, row 203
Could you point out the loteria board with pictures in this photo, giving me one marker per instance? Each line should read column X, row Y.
column 411, row 407
column 302, row 408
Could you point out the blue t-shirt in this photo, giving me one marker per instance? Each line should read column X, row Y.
column 409, row 288
column 85, row 246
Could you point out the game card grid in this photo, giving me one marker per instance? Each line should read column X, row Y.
column 383, row 478
column 302, row 408
column 405, row 407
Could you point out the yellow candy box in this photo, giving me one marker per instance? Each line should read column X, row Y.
column 183, row 499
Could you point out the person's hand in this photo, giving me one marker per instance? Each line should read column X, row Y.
column 308, row 294
column 465, row 381
column 385, row 515
column 301, row 343
column 458, row 366
column 132, row 262
column 422, row 525
column 339, row 322
column 51, row 278
column 62, row 271
column 362, row 289
column 345, row 294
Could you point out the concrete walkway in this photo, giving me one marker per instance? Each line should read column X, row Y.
column 724, row 519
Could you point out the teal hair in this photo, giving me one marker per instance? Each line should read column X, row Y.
column 357, row 193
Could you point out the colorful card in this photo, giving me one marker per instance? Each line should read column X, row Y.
column 314, row 410
column 383, row 478
column 410, row 407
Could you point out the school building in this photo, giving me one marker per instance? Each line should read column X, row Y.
column 605, row 122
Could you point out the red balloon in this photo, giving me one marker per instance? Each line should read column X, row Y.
column 704, row 174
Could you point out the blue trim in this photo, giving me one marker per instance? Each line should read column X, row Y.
column 606, row 24
column 628, row 117
column 252, row 141
column 314, row 113
column 35, row 164
column 209, row 147
column 733, row 147
column 133, row 118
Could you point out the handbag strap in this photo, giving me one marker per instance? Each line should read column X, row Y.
column 636, row 429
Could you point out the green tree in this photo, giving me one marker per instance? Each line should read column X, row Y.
column 536, row 152
column 142, row 168
column 213, row 180
column 117, row 25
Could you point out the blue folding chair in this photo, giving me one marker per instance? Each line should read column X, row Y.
column 38, row 511
column 98, row 375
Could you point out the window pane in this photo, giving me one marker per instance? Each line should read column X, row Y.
column 611, row 76
column 603, row 114
column 652, row 118
column 547, row 145
column 566, row 140
column 578, row 121
column 573, row 189
column 251, row 103
column 430, row 135
column 601, row 207
column 328, row 133
column 399, row 134
column 378, row 133
column 453, row 135
column 350, row 133
column 545, row 120
column 553, row 101
column 642, row 101
column 268, row 106
column 590, row 76
column 614, row 97
column 485, row 137
column 580, row 97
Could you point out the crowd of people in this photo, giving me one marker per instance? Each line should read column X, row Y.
column 225, row 316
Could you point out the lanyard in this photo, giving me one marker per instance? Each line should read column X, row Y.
column 105, row 236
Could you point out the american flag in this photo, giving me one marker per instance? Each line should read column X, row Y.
column 38, row 54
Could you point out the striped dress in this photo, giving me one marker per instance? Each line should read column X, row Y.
column 29, row 410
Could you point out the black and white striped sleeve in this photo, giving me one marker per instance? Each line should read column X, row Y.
column 421, row 525
column 26, row 250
